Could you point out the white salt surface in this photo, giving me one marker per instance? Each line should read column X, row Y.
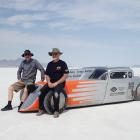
column 107, row 122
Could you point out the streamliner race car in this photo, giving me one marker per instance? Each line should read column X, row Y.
column 89, row 86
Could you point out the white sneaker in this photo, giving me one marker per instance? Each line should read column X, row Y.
column 56, row 114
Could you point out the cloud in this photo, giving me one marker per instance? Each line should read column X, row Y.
column 74, row 14
column 27, row 25
column 15, row 42
column 77, row 52
column 110, row 13
column 31, row 5
column 25, row 20
column 16, row 38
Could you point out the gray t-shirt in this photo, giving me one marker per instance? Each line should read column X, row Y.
column 28, row 70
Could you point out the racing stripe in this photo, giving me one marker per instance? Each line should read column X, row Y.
column 81, row 94
column 83, row 89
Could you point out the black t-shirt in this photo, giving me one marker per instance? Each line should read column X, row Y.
column 56, row 70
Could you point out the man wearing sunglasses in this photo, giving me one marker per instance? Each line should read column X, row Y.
column 26, row 76
column 56, row 75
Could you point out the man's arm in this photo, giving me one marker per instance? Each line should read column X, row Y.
column 50, row 85
column 39, row 66
column 47, row 78
column 19, row 72
column 63, row 79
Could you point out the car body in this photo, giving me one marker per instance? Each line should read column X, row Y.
column 92, row 86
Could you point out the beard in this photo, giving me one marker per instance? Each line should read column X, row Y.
column 54, row 59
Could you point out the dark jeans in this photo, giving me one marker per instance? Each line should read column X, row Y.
column 31, row 88
column 56, row 96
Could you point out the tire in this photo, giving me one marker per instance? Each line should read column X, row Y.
column 49, row 105
column 137, row 93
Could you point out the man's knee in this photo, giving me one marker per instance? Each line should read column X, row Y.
column 44, row 89
column 25, row 90
column 56, row 94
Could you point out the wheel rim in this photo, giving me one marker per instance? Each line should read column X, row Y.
column 49, row 105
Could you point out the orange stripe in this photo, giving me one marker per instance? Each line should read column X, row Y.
column 83, row 91
column 41, row 83
column 80, row 102
column 71, row 101
column 87, row 83
column 70, row 85
column 81, row 96
column 83, row 87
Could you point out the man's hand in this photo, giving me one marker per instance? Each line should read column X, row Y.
column 52, row 85
column 55, row 84
column 42, row 80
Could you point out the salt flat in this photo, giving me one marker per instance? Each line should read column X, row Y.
column 107, row 122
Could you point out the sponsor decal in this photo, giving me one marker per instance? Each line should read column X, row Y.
column 121, row 88
column 77, row 73
column 120, row 92
column 114, row 89
column 117, row 93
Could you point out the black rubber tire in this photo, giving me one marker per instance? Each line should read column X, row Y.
column 137, row 93
column 48, row 102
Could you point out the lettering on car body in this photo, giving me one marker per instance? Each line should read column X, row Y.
column 120, row 91
column 117, row 93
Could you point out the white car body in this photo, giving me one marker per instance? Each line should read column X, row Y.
column 90, row 86
column 114, row 84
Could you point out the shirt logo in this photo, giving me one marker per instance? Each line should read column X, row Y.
column 58, row 68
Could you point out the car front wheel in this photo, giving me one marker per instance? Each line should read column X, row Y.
column 49, row 103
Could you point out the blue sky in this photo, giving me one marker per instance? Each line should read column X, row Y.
column 89, row 32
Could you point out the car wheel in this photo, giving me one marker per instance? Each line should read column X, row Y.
column 49, row 104
column 137, row 93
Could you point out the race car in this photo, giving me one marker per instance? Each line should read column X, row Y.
column 89, row 86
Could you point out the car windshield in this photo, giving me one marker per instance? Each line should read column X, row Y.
column 97, row 73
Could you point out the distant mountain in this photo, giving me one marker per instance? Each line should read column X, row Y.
column 10, row 63
column 16, row 63
column 13, row 63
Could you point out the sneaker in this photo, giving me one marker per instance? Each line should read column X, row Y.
column 40, row 112
column 7, row 108
column 56, row 114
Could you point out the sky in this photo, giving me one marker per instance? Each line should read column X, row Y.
column 88, row 32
